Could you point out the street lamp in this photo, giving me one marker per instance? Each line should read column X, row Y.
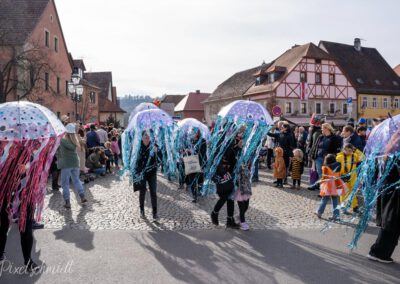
column 76, row 91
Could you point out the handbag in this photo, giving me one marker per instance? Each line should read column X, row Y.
column 313, row 174
column 192, row 164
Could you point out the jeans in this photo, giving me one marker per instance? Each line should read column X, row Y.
column 151, row 180
column 99, row 171
column 324, row 201
column 66, row 175
column 319, row 162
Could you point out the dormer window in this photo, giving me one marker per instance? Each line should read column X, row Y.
column 260, row 80
column 378, row 82
column 395, row 83
column 271, row 78
column 360, row 81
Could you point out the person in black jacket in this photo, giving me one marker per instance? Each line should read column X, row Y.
column 350, row 136
column 389, row 218
column 287, row 142
column 195, row 180
column 224, row 181
column 146, row 166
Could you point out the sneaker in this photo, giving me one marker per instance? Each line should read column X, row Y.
column 194, row 200
column 2, row 257
column 244, row 226
column 67, row 204
column 230, row 223
column 382, row 260
column 214, row 218
column 142, row 215
column 83, row 199
column 31, row 266
column 334, row 218
column 37, row 226
column 155, row 217
column 318, row 215
column 311, row 188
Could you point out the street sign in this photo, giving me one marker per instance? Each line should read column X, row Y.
column 350, row 100
column 276, row 111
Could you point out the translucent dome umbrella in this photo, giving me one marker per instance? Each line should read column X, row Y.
column 151, row 117
column 187, row 125
column 141, row 107
column 246, row 110
column 381, row 135
column 29, row 137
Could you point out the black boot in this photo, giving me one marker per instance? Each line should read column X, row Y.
column 230, row 223
column 214, row 218
column 31, row 266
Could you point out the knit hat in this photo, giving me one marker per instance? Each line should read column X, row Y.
column 71, row 128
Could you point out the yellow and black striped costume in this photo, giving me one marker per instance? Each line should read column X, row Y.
column 297, row 168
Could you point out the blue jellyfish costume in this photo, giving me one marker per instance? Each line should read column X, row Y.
column 160, row 127
column 248, row 117
column 382, row 155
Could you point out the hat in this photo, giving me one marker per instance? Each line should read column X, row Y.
column 362, row 121
column 71, row 128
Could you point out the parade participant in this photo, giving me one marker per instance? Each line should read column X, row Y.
column 146, row 169
column 349, row 158
column 224, row 180
column 68, row 162
column 243, row 194
column 279, row 167
column 198, row 147
column 297, row 167
column 331, row 186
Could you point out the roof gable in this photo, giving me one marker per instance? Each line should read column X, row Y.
column 100, row 79
column 192, row 102
column 18, row 18
column 366, row 69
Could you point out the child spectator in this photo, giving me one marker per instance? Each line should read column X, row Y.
column 279, row 167
column 110, row 156
column 349, row 158
column 297, row 167
column 115, row 149
column 331, row 186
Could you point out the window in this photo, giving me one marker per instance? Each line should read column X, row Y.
column 303, row 108
column 32, row 75
column 395, row 83
column 344, row 108
column 66, row 88
column 46, row 38
column 318, row 61
column 360, row 81
column 318, row 109
column 378, row 82
column 46, row 81
column 385, row 103
column 332, row 108
column 374, row 103
column 317, row 78
column 58, row 85
column 92, row 97
column 58, row 114
column 288, row 107
column 303, row 77
column 55, row 44
column 396, row 103
column 331, row 79
column 364, row 102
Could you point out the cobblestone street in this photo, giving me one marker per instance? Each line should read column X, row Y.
column 113, row 205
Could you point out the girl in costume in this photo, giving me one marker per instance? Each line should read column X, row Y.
column 331, row 186
column 349, row 158
column 279, row 167
column 297, row 167
column 243, row 194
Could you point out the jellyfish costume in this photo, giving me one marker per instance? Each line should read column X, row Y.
column 29, row 137
column 248, row 117
column 140, row 107
column 382, row 155
column 160, row 127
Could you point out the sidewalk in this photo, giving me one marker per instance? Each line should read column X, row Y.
column 201, row 256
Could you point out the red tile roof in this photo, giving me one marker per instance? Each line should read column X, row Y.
column 192, row 102
column 108, row 106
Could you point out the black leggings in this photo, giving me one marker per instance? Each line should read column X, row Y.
column 243, row 206
column 296, row 181
column 151, row 180
column 26, row 236
column 230, row 204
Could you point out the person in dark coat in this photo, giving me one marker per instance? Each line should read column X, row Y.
column 389, row 219
column 92, row 139
column 224, row 181
column 146, row 166
column 195, row 180
column 350, row 136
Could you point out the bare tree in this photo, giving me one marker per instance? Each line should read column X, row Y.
column 23, row 69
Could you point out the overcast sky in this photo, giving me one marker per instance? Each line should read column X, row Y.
column 177, row 46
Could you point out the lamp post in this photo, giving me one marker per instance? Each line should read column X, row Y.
column 76, row 90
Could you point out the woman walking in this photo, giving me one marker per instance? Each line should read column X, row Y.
column 69, row 165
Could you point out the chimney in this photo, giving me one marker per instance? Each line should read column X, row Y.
column 357, row 44
column 197, row 91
